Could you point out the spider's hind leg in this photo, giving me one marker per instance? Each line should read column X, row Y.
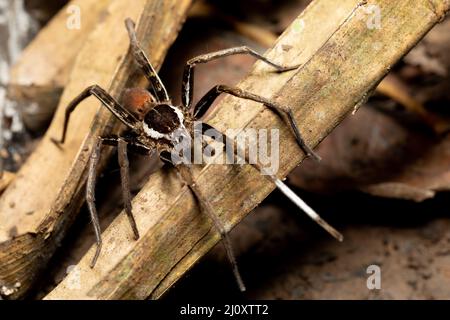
column 206, row 128
column 186, row 174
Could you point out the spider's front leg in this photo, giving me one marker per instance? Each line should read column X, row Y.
column 187, row 89
column 207, row 100
column 122, row 145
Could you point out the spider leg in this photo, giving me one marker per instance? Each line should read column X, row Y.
column 279, row 184
column 187, row 88
column 134, row 146
column 90, row 197
column 125, row 180
column 122, row 144
column 142, row 60
column 186, row 174
column 109, row 102
column 212, row 94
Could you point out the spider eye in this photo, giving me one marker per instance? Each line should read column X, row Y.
column 138, row 101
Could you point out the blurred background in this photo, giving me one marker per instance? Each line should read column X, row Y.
column 383, row 180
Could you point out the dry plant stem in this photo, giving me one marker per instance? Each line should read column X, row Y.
column 49, row 190
column 339, row 65
column 391, row 86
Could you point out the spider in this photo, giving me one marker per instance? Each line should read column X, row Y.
column 153, row 122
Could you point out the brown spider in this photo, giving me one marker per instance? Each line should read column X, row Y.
column 157, row 125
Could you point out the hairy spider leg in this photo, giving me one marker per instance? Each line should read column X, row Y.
column 208, row 129
column 142, row 60
column 90, row 197
column 187, row 87
column 207, row 100
column 124, row 165
column 121, row 144
column 107, row 100
column 188, row 177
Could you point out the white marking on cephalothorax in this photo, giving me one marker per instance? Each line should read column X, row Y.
column 152, row 132
column 169, row 136
column 179, row 114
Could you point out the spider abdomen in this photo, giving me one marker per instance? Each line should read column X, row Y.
column 138, row 101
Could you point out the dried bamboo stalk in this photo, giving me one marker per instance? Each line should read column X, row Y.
column 48, row 191
column 390, row 86
column 341, row 61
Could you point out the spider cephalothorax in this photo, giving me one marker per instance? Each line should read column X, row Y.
column 162, row 121
column 157, row 126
